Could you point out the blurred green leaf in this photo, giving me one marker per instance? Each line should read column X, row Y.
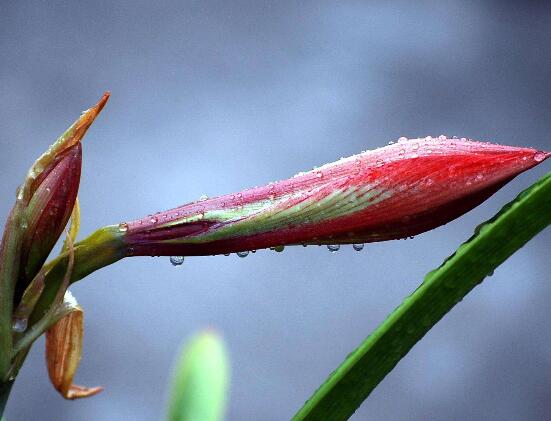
column 200, row 380
column 493, row 242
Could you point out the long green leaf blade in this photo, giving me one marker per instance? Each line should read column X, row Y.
column 493, row 242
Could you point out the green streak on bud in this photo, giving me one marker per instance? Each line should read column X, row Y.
column 266, row 215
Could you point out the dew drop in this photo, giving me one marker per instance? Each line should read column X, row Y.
column 333, row 248
column 540, row 156
column 243, row 253
column 24, row 225
column 203, row 197
column 358, row 247
column 123, row 227
column 176, row 260
column 442, row 137
column 153, row 219
column 403, row 139
column 20, row 325
column 227, row 254
column 278, row 249
column 319, row 174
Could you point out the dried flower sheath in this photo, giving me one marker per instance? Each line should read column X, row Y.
column 393, row 192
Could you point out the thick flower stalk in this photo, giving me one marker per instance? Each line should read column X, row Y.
column 393, row 192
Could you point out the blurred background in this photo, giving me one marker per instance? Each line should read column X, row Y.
column 212, row 97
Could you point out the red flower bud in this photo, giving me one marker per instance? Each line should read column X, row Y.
column 49, row 209
column 47, row 197
column 389, row 193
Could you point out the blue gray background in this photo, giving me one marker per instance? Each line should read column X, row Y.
column 212, row 97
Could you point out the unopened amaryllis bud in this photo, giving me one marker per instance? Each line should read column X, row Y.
column 63, row 353
column 49, row 194
column 397, row 191
column 42, row 207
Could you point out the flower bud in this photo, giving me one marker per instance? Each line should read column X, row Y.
column 48, row 196
column 393, row 192
column 43, row 205
column 63, row 353
column 49, row 209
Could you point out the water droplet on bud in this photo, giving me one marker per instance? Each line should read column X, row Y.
column 20, row 325
column 203, row 197
column 123, row 227
column 540, row 156
column 243, row 253
column 333, row 248
column 176, row 260
column 358, row 247
column 278, row 249
column 153, row 219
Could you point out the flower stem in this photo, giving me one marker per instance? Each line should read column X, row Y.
column 102, row 248
column 5, row 389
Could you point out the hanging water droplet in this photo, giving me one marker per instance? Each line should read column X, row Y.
column 176, row 260
column 123, row 227
column 333, row 248
column 227, row 254
column 278, row 249
column 203, row 197
column 540, row 156
column 243, row 253
column 20, row 325
column 358, row 247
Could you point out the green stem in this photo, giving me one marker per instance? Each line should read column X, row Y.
column 5, row 389
column 102, row 248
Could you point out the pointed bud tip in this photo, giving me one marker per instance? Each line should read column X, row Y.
column 101, row 103
column 88, row 117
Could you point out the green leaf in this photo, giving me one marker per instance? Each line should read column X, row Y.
column 200, row 380
column 493, row 242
